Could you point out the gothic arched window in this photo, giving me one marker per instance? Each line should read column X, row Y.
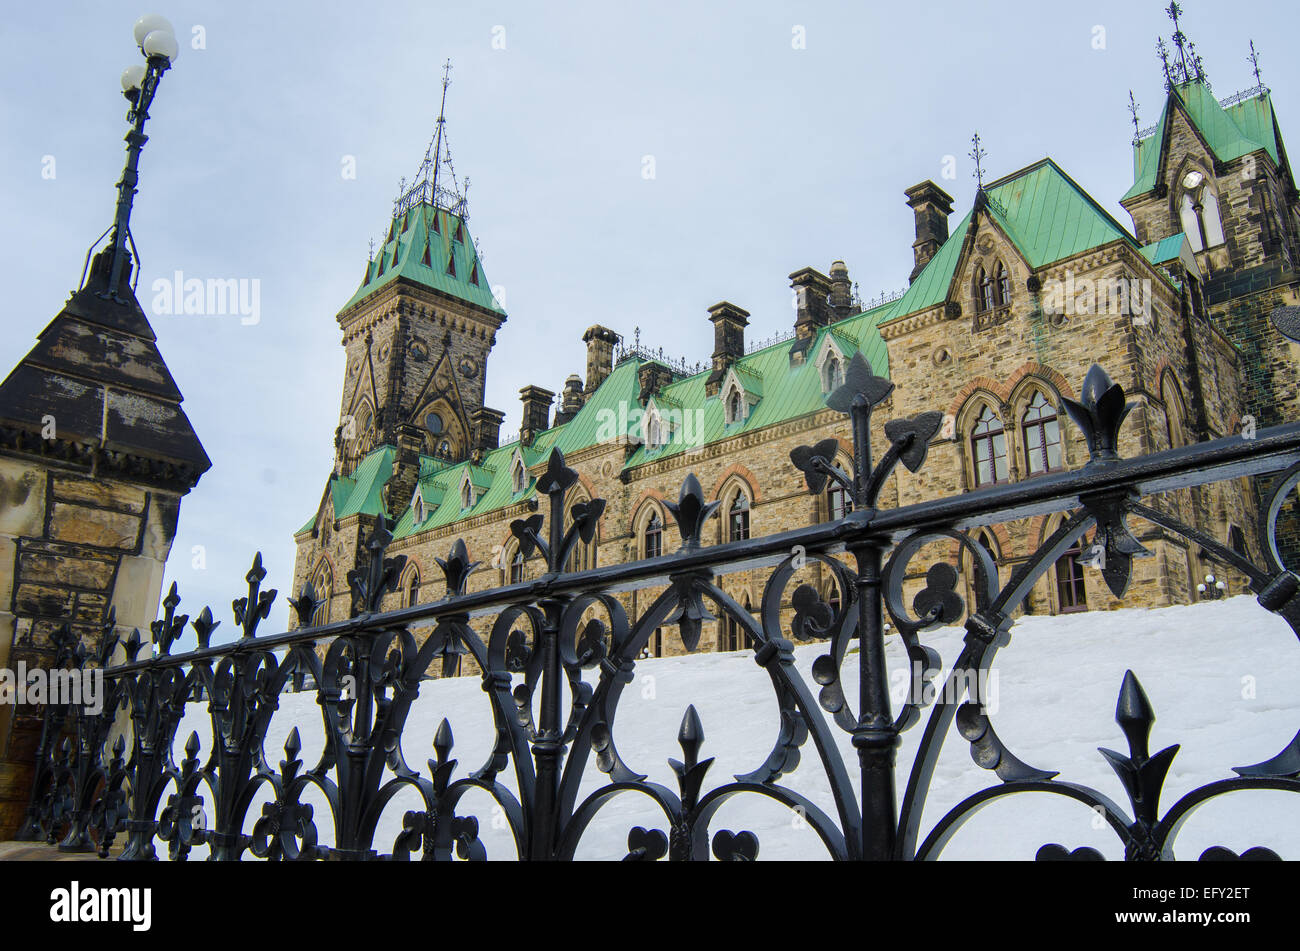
column 1042, row 436
column 412, row 594
column 735, row 406
column 983, row 291
column 738, row 518
column 323, row 585
column 1198, row 211
column 838, row 503
column 1070, row 594
column 833, row 374
column 519, row 476
column 989, row 448
column 517, row 567
column 1002, row 285
column 654, row 537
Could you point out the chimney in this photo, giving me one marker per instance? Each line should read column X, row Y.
column 932, row 206
column 487, row 429
column 841, row 300
column 537, row 412
column 653, row 376
column 812, row 288
column 600, row 355
column 406, row 468
column 729, row 323
column 571, row 399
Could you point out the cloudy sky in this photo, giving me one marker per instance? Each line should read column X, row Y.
column 782, row 135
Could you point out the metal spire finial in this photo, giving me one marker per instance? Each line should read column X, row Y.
column 1163, row 51
column 1180, row 39
column 977, row 155
column 1133, row 111
column 427, row 188
column 1253, row 58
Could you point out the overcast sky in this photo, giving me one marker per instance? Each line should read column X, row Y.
column 782, row 135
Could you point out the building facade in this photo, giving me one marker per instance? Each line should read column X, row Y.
column 1007, row 308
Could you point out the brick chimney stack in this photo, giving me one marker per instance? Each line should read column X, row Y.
column 932, row 206
column 487, row 429
column 729, row 323
column 600, row 343
column 537, row 412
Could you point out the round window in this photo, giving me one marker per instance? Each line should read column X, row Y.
column 434, row 423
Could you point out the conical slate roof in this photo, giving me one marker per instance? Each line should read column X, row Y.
column 96, row 384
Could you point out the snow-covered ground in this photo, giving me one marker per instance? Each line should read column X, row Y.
column 1223, row 678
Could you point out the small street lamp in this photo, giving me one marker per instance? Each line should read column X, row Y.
column 157, row 42
column 1211, row 589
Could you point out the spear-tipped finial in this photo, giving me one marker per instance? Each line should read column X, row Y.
column 977, row 156
column 1133, row 111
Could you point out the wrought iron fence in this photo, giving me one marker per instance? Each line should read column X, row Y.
column 108, row 776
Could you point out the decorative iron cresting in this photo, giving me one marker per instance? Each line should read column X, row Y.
column 110, row 778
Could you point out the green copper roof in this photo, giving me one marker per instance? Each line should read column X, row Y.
column 1166, row 249
column 1239, row 129
column 612, row 412
column 423, row 246
column 1044, row 213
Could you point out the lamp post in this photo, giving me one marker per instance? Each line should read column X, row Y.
column 157, row 42
column 1211, row 589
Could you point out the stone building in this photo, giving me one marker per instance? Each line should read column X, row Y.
column 95, row 455
column 1006, row 309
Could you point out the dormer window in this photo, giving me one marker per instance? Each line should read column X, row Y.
column 466, row 493
column 417, row 507
column 518, row 476
column 735, row 406
column 830, row 364
column 832, row 375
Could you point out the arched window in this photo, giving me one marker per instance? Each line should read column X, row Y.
column 983, row 291
column 653, row 434
column 519, row 476
column 735, row 406
column 1198, row 211
column 989, row 448
column 738, row 518
column 839, row 503
column 1002, row 285
column 583, row 555
column 466, row 494
column 654, row 537
column 1173, row 401
column 833, row 374
column 1042, row 436
column 412, row 594
column 734, row 637
column 323, row 585
column 517, row 567
column 1070, row 594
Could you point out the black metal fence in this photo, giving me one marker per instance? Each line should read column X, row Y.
column 109, row 778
